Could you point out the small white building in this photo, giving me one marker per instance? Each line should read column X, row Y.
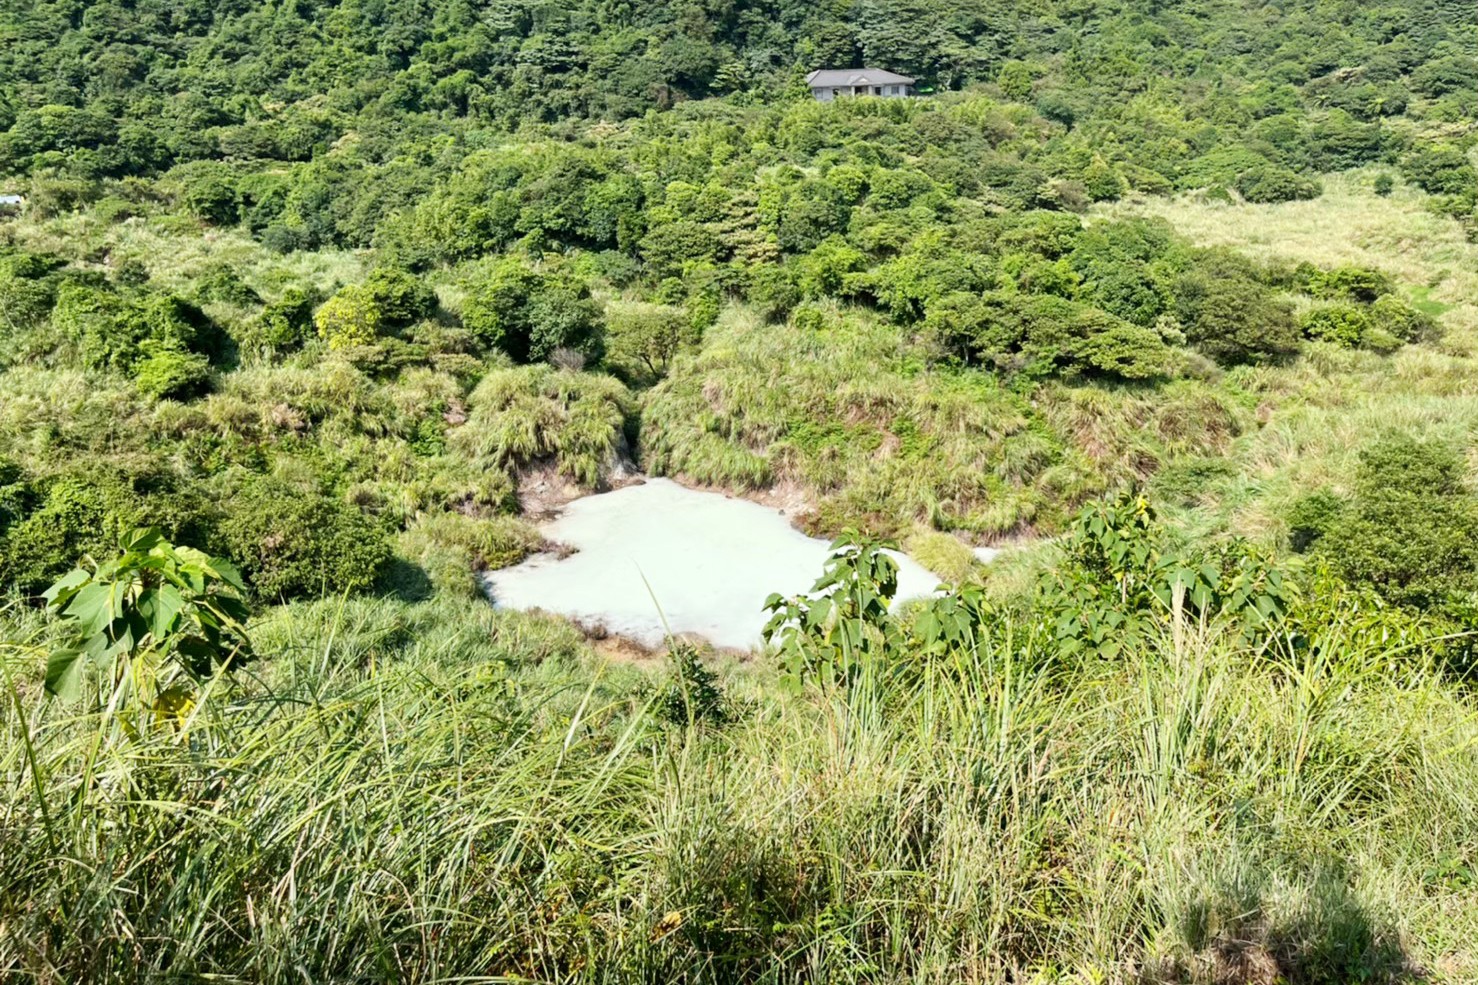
column 833, row 83
column 11, row 203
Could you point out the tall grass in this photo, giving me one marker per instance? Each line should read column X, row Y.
column 852, row 414
column 438, row 792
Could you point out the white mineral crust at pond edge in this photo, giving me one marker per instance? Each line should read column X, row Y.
column 704, row 561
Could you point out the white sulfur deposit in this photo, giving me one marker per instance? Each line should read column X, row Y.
column 704, row 561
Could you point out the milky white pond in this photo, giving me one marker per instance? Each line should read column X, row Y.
column 704, row 561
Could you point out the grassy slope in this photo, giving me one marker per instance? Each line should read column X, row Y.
column 414, row 792
column 852, row 414
column 1322, row 409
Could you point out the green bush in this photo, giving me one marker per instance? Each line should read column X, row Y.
column 1043, row 334
column 1410, row 531
column 1271, row 183
column 1229, row 314
column 401, row 297
column 1440, row 169
column 302, row 543
column 1360, row 284
column 85, row 510
column 1312, row 517
column 170, row 372
column 110, row 330
column 1402, row 322
column 352, row 317
column 1343, row 324
column 529, row 314
column 284, row 324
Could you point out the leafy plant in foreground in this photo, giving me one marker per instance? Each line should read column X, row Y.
column 693, row 695
column 148, row 617
column 828, row 632
column 1122, row 578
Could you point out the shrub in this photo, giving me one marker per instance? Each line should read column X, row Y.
column 1042, row 334
column 1411, row 529
column 211, row 196
column 1271, row 183
column 1343, row 324
column 529, row 314
column 352, row 317
column 85, row 510
column 1439, row 170
column 170, row 372
column 773, row 291
column 1312, row 517
column 401, row 297
column 302, row 543
column 1384, row 184
column 1403, row 322
column 284, row 324
column 1350, row 284
column 1231, row 316
column 110, row 330
column 1102, row 182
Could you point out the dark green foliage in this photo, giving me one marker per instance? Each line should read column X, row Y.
column 530, row 314
column 296, row 543
column 1441, row 169
column 16, row 496
column 1402, row 322
column 1410, row 527
column 1350, row 284
column 1384, row 184
column 114, row 331
column 1228, row 313
column 668, row 248
column 84, row 511
column 693, row 694
column 1041, row 334
column 284, row 324
column 1270, row 183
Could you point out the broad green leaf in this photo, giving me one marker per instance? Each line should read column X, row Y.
column 64, row 673
column 168, row 603
column 94, row 607
column 66, row 585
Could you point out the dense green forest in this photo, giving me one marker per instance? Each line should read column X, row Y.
column 310, row 313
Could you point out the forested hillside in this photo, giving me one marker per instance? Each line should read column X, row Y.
column 310, row 313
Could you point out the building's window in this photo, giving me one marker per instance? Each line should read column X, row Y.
column 877, row 90
column 835, row 93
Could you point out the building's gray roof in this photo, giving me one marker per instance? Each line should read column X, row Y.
column 827, row 77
